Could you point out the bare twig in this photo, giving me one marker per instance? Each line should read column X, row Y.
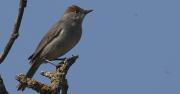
column 15, row 32
column 35, row 85
column 57, row 78
column 2, row 87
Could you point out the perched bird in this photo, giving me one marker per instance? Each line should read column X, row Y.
column 61, row 38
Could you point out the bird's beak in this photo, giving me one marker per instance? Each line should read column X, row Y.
column 87, row 11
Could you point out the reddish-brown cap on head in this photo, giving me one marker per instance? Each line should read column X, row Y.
column 77, row 9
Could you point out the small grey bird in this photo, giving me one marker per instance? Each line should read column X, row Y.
column 61, row 38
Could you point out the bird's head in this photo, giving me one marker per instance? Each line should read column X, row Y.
column 76, row 13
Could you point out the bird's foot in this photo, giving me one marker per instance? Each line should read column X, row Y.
column 62, row 59
column 50, row 62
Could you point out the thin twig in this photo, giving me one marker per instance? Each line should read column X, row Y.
column 64, row 87
column 15, row 32
column 2, row 87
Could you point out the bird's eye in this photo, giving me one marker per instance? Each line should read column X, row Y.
column 77, row 11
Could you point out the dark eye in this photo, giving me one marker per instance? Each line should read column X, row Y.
column 77, row 11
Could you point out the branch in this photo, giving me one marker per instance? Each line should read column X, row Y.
column 15, row 32
column 2, row 87
column 35, row 85
column 57, row 78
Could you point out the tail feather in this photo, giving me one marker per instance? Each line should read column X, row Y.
column 32, row 70
column 29, row 74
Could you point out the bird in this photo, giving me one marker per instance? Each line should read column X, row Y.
column 60, row 39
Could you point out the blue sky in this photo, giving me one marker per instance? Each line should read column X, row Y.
column 127, row 47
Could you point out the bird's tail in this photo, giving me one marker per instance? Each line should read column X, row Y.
column 29, row 74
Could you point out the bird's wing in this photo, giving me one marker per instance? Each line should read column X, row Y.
column 50, row 35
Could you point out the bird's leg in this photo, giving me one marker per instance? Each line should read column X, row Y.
column 62, row 59
column 50, row 62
